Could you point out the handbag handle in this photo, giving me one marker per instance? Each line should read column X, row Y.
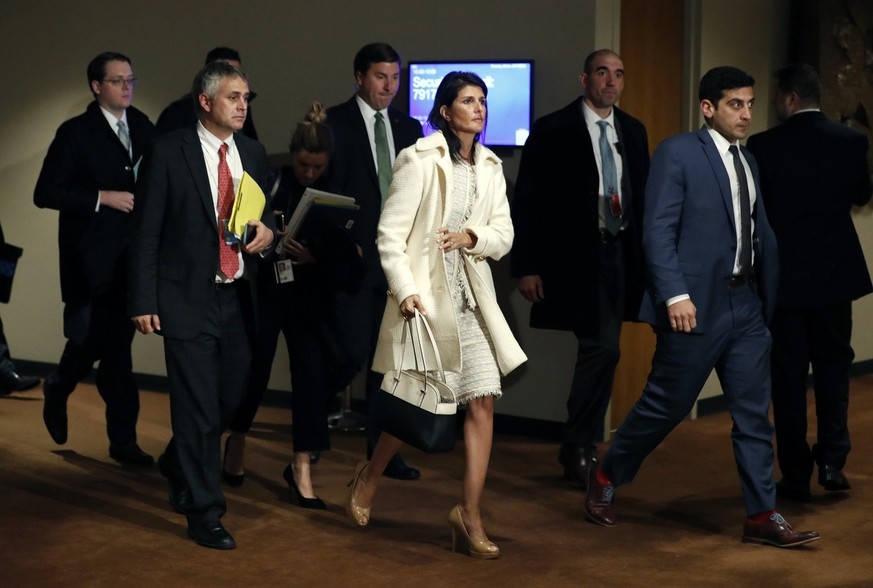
column 419, row 320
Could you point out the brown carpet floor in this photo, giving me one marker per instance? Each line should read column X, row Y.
column 70, row 516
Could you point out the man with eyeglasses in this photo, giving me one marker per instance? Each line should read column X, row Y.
column 88, row 176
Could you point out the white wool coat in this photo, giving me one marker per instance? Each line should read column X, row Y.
column 418, row 203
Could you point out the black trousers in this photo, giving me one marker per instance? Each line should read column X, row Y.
column 208, row 375
column 820, row 337
column 598, row 353
column 359, row 317
column 291, row 310
column 101, row 330
column 6, row 364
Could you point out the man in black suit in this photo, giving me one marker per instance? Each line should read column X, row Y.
column 813, row 171
column 577, row 246
column 189, row 285
column 88, row 175
column 355, row 171
column 182, row 113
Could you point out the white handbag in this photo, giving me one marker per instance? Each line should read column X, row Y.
column 416, row 405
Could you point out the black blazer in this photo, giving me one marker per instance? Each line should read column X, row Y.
column 555, row 215
column 86, row 156
column 353, row 172
column 174, row 247
column 813, row 171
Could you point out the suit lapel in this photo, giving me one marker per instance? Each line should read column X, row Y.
column 627, row 195
column 193, row 154
column 102, row 127
column 362, row 139
column 721, row 176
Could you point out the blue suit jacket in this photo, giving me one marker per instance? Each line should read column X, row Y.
column 689, row 235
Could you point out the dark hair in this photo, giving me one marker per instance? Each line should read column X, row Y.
column 589, row 61
column 208, row 79
column 97, row 67
column 800, row 78
column 312, row 134
column 718, row 79
column 222, row 53
column 374, row 53
column 446, row 93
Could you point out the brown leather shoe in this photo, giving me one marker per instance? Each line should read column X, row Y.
column 776, row 531
column 598, row 500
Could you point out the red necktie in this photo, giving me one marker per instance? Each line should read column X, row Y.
column 227, row 254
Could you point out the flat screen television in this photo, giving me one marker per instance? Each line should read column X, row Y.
column 510, row 96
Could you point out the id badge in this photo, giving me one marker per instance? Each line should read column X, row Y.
column 614, row 205
column 284, row 271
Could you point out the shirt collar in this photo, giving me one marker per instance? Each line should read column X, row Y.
column 721, row 144
column 592, row 118
column 211, row 141
column 367, row 111
column 113, row 120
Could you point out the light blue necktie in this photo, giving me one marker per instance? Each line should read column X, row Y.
column 124, row 137
column 610, row 179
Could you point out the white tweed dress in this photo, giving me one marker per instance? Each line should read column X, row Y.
column 480, row 375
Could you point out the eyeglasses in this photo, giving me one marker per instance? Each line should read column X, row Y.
column 119, row 82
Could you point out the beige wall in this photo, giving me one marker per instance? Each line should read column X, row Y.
column 292, row 58
column 294, row 52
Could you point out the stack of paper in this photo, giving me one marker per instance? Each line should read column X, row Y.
column 248, row 205
column 341, row 210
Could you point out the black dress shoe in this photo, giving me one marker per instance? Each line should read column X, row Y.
column 398, row 470
column 298, row 498
column 777, row 532
column 235, row 480
column 833, row 479
column 180, row 496
column 211, row 534
column 576, row 461
column 54, row 415
column 798, row 492
column 130, row 455
column 13, row 382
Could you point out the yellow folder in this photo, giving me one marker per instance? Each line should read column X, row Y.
column 248, row 205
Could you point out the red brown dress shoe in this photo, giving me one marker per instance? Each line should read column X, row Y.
column 598, row 500
column 776, row 531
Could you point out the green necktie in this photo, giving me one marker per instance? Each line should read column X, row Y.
column 383, row 157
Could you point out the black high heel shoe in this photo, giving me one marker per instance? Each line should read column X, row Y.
column 235, row 480
column 296, row 497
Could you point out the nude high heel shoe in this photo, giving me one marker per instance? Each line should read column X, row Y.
column 359, row 514
column 477, row 549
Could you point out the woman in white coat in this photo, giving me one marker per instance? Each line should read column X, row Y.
column 446, row 214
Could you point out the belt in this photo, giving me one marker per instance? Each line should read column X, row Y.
column 224, row 285
column 737, row 281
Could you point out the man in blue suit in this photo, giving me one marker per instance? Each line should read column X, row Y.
column 712, row 269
